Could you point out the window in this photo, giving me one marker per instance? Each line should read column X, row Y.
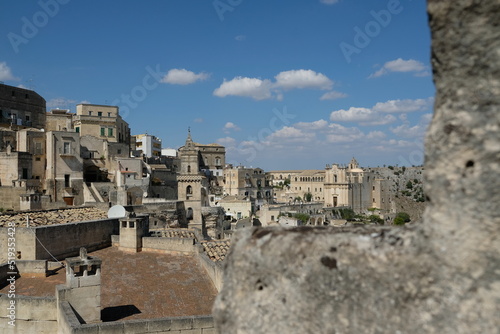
column 25, row 173
column 110, row 132
column 90, row 112
column 27, row 118
column 119, row 151
column 67, row 148
column 109, row 114
column 38, row 148
column 217, row 161
column 103, row 131
column 66, row 180
column 99, row 113
column 189, row 169
column 77, row 129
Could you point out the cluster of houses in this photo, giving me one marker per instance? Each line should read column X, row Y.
column 58, row 158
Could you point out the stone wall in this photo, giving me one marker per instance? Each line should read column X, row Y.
column 440, row 276
column 182, row 245
column 32, row 314
column 10, row 197
column 214, row 270
column 69, row 324
column 63, row 240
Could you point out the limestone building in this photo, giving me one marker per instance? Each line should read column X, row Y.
column 21, row 108
column 102, row 122
column 192, row 183
column 291, row 184
column 248, row 183
column 336, row 186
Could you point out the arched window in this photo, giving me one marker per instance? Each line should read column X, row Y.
column 217, row 161
column 189, row 168
column 189, row 192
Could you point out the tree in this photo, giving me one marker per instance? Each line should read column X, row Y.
column 409, row 185
column 402, row 218
column 302, row 217
column 308, row 197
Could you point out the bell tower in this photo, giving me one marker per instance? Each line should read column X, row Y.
column 192, row 184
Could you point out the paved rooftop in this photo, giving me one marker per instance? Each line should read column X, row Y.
column 140, row 286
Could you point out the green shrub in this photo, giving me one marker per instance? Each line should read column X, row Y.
column 376, row 219
column 401, row 218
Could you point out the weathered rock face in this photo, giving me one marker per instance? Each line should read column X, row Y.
column 442, row 276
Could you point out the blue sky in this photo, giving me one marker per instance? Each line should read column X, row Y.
column 291, row 84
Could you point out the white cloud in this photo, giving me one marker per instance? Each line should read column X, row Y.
column 183, row 77
column 300, row 79
column 401, row 65
column 6, row 73
column 405, row 130
column 60, row 102
column 248, row 87
column 333, row 95
column 263, row 89
column 230, row 126
column 341, row 134
column 403, row 106
column 312, row 126
column 290, row 134
column 198, row 120
column 364, row 116
column 227, row 142
column 329, row 2
column 85, row 102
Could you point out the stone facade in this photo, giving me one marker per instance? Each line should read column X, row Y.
column 21, row 108
column 102, row 122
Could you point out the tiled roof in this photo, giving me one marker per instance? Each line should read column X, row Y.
column 182, row 234
column 52, row 217
column 216, row 250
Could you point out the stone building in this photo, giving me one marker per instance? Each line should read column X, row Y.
column 290, row 184
column 59, row 120
column 192, row 183
column 21, row 108
column 249, row 183
column 336, row 186
column 64, row 171
column 101, row 121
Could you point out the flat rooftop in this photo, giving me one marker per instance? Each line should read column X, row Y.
column 139, row 285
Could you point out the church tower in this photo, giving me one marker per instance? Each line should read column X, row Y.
column 192, row 184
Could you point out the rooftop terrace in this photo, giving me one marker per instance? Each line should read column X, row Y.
column 139, row 285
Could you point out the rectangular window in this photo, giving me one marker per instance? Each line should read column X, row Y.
column 103, row 131
column 38, row 149
column 99, row 113
column 109, row 114
column 77, row 129
column 110, row 132
column 67, row 148
column 25, row 173
column 90, row 112
column 66, row 180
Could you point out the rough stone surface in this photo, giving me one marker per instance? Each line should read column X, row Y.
column 441, row 276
